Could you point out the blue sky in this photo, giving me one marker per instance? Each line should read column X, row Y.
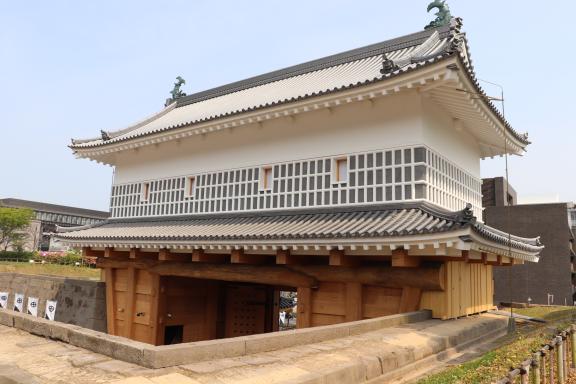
column 71, row 68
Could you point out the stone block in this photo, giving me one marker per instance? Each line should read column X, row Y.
column 93, row 341
column 188, row 353
column 6, row 318
column 274, row 341
column 31, row 324
column 350, row 373
column 62, row 331
column 373, row 366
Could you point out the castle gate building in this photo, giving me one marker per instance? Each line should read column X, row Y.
column 353, row 180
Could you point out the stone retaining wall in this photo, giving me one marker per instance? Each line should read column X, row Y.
column 80, row 302
column 170, row 355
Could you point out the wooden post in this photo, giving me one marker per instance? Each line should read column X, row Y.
column 560, row 359
column 130, row 299
column 573, row 345
column 304, row 318
column 551, row 366
column 353, row 301
column 110, row 306
column 525, row 375
column 543, row 367
column 536, row 371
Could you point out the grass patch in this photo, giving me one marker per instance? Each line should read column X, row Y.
column 51, row 270
column 516, row 348
column 546, row 313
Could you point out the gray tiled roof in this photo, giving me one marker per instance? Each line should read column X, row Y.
column 334, row 73
column 53, row 208
column 391, row 220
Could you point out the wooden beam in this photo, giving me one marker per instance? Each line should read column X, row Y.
column 284, row 257
column 110, row 304
column 263, row 274
column 353, row 301
column 136, row 253
column 89, row 252
column 166, row 255
column 426, row 278
column 410, row 299
column 110, row 252
column 400, row 258
column 199, row 256
column 237, row 256
column 304, row 309
column 339, row 259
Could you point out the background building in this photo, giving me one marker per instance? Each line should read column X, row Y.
column 47, row 217
column 551, row 279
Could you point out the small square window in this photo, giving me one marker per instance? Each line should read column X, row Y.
column 190, row 187
column 341, row 170
column 266, row 181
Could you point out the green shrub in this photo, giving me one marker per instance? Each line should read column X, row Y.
column 16, row 256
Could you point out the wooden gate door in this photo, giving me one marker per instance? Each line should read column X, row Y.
column 246, row 310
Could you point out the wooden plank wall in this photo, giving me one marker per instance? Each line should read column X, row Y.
column 130, row 299
column 469, row 290
column 333, row 303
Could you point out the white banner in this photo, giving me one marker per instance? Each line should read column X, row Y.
column 50, row 309
column 3, row 300
column 32, row 306
column 19, row 302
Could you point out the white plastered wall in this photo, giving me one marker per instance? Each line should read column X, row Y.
column 390, row 122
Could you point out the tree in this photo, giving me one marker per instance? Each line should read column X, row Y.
column 13, row 224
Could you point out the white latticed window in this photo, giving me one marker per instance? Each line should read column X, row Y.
column 393, row 175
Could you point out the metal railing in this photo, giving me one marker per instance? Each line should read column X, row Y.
column 549, row 365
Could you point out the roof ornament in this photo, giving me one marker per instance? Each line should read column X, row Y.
column 443, row 15
column 388, row 66
column 105, row 135
column 456, row 39
column 176, row 92
column 466, row 216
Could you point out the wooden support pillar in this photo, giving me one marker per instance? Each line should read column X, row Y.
column 304, row 319
column 158, row 310
column 110, row 304
column 400, row 258
column 340, row 259
column 353, row 301
column 130, row 296
column 466, row 256
column 484, row 258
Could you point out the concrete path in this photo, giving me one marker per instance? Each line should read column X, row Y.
column 374, row 356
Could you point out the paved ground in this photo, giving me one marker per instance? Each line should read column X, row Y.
column 29, row 359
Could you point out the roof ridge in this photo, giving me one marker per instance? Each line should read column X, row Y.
column 314, row 65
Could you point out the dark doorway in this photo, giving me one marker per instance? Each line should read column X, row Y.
column 173, row 334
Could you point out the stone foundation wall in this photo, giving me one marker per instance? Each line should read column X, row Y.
column 80, row 302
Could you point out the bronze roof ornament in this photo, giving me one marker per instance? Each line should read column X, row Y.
column 176, row 92
column 443, row 15
column 388, row 66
